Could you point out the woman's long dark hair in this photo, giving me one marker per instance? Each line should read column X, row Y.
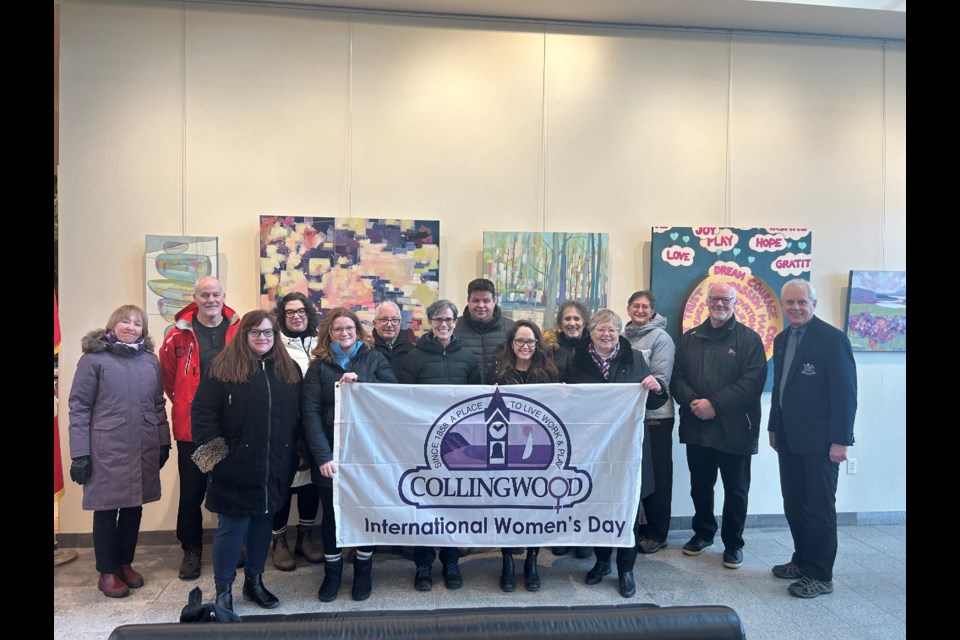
column 542, row 368
column 238, row 362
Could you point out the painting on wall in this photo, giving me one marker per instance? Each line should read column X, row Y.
column 173, row 265
column 535, row 272
column 757, row 262
column 352, row 262
column 877, row 311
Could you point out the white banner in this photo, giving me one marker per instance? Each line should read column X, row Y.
column 485, row 466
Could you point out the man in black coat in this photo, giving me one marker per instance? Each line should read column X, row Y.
column 718, row 376
column 482, row 328
column 812, row 410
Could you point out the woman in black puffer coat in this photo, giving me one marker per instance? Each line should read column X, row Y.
column 343, row 354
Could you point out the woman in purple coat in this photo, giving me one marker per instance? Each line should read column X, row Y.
column 119, row 440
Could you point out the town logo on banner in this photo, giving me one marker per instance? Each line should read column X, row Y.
column 520, row 439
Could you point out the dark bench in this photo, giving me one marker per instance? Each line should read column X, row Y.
column 709, row 622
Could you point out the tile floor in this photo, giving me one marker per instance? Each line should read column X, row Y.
column 869, row 601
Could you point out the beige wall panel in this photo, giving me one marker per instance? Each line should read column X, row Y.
column 266, row 127
column 806, row 150
column 446, row 125
column 636, row 130
column 895, row 138
column 120, row 179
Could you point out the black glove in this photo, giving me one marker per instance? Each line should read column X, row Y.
column 164, row 454
column 80, row 469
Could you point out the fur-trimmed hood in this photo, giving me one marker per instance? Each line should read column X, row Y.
column 96, row 341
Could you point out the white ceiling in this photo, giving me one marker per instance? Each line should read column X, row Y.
column 886, row 19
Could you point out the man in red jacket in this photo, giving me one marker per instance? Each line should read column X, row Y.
column 202, row 329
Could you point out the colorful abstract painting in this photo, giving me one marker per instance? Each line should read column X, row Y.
column 877, row 311
column 173, row 265
column 757, row 262
column 535, row 272
column 352, row 262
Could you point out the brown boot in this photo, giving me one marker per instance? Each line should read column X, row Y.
column 305, row 546
column 282, row 558
column 112, row 586
column 130, row 576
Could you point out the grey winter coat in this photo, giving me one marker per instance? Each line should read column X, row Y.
column 118, row 417
column 656, row 345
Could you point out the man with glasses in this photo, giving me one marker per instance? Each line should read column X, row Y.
column 388, row 338
column 201, row 329
column 483, row 328
column 718, row 376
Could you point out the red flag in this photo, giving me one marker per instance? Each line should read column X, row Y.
column 57, row 464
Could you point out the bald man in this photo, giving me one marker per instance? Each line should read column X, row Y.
column 200, row 331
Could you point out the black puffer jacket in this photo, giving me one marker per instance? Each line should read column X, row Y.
column 319, row 392
column 483, row 339
column 259, row 420
column 727, row 366
column 430, row 363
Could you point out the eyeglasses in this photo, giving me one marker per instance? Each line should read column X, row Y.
column 640, row 306
column 605, row 331
column 256, row 333
column 716, row 299
column 338, row 330
column 388, row 320
column 295, row 312
column 519, row 343
column 446, row 321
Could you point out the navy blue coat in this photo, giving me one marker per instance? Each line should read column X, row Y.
column 820, row 399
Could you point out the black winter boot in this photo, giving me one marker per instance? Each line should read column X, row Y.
column 225, row 597
column 332, row 575
column 531, row 579
column 362, row 579
column 508, row 581
column 253, row 589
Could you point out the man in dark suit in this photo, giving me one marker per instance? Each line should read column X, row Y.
column 812, row 409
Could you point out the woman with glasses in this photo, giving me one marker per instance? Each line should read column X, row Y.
column 647, row 333
column 343, row 354
column 119, row 440
column 522, row 359
column 439, row 358
column 298, row 334
column 245, row 419
column 608, row 358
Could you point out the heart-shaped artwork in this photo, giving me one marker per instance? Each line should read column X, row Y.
column 802, row 245
column 686, row 238
column 750, row 259
column 789, row 244
column 674, row 236
column 736, row 251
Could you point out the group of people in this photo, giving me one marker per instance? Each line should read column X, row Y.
column 253, row 415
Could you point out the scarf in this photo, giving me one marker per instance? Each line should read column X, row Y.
column 341, row 358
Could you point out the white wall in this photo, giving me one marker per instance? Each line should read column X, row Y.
column 196, row 119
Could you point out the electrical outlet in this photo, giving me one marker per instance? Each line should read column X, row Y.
column 851, row 466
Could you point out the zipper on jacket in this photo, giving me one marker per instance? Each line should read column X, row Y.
column 186, row 368
column 266, row 478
